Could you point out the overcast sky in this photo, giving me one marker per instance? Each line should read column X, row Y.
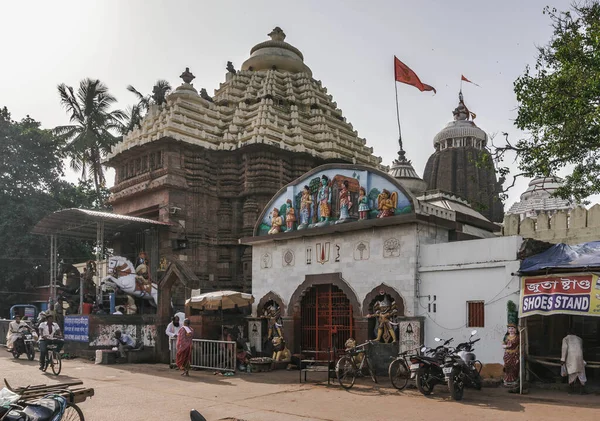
column 349, row 45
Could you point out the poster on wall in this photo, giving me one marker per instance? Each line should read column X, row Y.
column 77, row 328
column 575, row 294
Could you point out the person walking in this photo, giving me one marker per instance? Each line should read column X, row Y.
column 572, row 362
column 184, row 347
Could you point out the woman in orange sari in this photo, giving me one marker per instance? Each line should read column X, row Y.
column 184, row 348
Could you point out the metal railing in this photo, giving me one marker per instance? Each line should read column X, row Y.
column 211, row 355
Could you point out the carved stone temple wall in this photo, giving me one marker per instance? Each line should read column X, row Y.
column 209, row 165
column 580, row 225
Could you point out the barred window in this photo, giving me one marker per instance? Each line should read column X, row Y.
column 475, row 314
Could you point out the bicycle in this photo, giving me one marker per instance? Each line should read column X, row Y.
column 346, row 369
column 46, row 408
column 53, row 360
column 399, row 370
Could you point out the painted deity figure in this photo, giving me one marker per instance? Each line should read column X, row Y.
column 280, row 351
column 142, row 271
column 363, row 204
column 386, row 203
column 290, row 216
column 345, row 201
column 275, row 322
column 385, row 313
column 324, row 198
column 276, row 222
column 510, row 343
column 305, row 203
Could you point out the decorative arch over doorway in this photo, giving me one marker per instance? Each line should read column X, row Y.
column 324, row 310
column 270, row 296
column 387, row 290
column 334, row 278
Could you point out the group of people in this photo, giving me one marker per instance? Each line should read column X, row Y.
column 183, row 334
column 572, row 363
column 48, row 333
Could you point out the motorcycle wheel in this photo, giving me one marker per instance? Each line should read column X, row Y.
column 424, row 381
column 345, row 372
column 30, row 353
column 15, row 353
column 455, row 385
column 399, row 373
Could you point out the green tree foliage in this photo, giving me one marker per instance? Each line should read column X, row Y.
column 135, row 113
column 30, row 188
column 559, row 104
column 89, row 138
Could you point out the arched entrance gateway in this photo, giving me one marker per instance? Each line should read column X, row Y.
column 324, row 310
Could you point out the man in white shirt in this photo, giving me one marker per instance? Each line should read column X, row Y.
column 173, row 328
column 49, row 335
column 13, row 332
column 124, row 342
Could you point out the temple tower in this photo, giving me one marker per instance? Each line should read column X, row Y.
column 209, row 164
column 461, row 165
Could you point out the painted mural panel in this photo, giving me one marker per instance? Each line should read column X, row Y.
column 104, row 334
column 333, row 196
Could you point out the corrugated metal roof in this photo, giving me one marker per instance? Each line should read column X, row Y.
column 82, row 223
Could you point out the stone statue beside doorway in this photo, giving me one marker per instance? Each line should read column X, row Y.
column 385, row 311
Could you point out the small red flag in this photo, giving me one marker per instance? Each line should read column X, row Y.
column 404, row 74
column 462, row 77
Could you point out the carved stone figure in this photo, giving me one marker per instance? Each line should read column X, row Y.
column 305, row 205
column 345, row 202
column 280, row 351
column 290, row 216
column 276, row 222
column 205, row 95
column 363, row 204
column 386, row 203
column 385, row 313
column 230, row 68
column 324, row 198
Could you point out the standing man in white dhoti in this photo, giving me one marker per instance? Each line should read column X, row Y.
column 572, row 360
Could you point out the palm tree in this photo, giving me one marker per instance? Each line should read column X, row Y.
column 160, row 90
column 89, row 138
column 132, row 119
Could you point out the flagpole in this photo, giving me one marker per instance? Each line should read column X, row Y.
column 398, row 115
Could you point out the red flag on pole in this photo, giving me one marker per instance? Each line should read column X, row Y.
column 404, row 74
column 462, row 77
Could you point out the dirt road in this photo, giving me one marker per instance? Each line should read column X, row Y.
column 154, row 392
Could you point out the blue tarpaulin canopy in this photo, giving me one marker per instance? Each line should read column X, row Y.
column 564, row 256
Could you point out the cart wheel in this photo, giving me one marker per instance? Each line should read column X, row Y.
column 73, row 413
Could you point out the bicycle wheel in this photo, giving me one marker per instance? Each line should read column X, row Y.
column 399, row 373
column 72, row 413
column 345, row 372
column 371, row 370
column 56, row 362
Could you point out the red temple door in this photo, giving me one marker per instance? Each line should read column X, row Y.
column 326, row 319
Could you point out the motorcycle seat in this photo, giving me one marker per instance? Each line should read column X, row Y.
column 42, row 410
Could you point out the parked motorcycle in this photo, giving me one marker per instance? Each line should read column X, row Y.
column 427, row 367
column 461, row 369
column 25, row 343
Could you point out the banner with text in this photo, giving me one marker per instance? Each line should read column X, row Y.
column 576, row 294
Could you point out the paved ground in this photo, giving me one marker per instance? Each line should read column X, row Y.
column 153, row 392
